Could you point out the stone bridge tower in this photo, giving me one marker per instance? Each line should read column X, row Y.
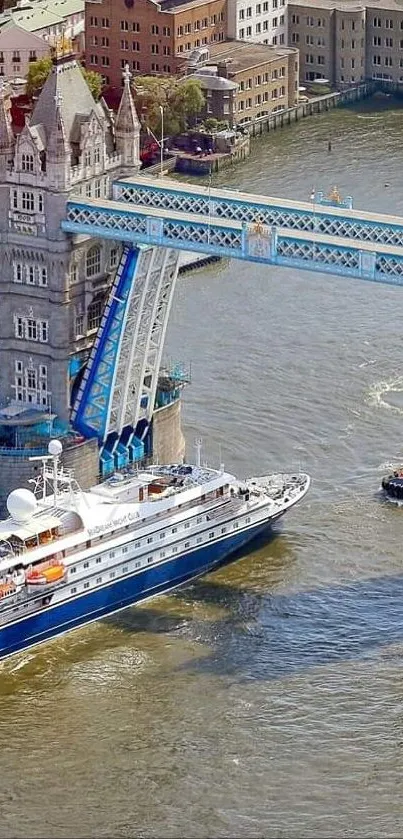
column 53, row 286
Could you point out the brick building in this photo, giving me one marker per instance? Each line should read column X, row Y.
column 267, row 76
column 346, row 42
column 152, row 37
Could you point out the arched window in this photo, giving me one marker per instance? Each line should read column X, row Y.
column 93, row 261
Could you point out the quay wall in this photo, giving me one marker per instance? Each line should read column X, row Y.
column 316, row 105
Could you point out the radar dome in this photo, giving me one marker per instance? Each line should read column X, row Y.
column 55, row 448
column 21, row 504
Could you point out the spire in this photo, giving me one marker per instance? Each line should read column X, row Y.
column 127, row 128
column 6, row 132
column 127, row 121
column 58, row 146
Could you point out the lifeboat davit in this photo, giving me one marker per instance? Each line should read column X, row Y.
column 46, row 574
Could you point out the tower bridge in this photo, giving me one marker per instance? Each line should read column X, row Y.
column 90, row 252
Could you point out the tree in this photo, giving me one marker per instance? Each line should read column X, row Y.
column 39, row 71
column 179, row 99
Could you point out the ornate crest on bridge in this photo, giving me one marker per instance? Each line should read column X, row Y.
column 259, row 239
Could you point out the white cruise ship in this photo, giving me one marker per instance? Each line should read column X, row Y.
column 70, row 557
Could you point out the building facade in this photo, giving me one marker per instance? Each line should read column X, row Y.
column 18, row 48
column 153, row 38
column 264, row 21
column 347, row 43
column 53, row 287
column 267, row 77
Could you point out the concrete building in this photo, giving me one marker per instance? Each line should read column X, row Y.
column 266, row 76
column 50, row 19
column 264, row 21
column 152, row 37
column 346, row 42
column 17, row 49
column 29, row 29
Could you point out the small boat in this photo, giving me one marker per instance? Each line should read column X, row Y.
column 46, row 574
column 392, row 486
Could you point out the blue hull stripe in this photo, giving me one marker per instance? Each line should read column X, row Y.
column 156, row 579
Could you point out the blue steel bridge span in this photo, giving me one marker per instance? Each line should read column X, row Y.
column 155, row 220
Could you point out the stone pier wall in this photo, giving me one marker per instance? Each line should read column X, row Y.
column 168, row 439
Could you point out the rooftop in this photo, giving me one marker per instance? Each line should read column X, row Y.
column 350, row 5
column 40, row 14
column 243, row 55
column 211, row 81
column 169, row 6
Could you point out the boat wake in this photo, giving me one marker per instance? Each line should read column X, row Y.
column 388, row 394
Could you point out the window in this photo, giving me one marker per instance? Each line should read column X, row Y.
column 17, row 272
column 73, row 590
column 98, row 580
column 113, row 257
column 93, row 261
column 27, row 162
column 98, row 560
column 94, row 314
column 377, row 22
column 79, row 328
column 86, row 585
column 28, row 202
column 389, row 23
column 86, row 565
column 31, row 329
column 124, row 25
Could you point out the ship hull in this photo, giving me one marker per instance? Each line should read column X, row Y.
column 154, row 580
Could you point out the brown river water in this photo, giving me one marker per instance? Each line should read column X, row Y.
column 265, row 700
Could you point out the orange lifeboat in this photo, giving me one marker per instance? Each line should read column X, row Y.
column 46, row 573
column 7, row 590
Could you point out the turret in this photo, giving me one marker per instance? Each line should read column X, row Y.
column 6, row 132
column 127, row 129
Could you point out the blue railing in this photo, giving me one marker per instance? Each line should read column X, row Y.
column 23, row 452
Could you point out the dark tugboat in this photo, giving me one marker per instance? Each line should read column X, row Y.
column 392, row 485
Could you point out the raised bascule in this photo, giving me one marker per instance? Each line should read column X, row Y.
column 90, row 252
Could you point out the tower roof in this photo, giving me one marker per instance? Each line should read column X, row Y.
column 65, row 97
column 127, row 120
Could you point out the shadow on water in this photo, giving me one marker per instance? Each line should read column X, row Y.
column 277, row 636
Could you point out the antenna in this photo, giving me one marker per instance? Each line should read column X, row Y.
column 198, row 447
column 222, row 467
column 55, row 449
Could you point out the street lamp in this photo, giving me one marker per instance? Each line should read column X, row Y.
column 162, row 141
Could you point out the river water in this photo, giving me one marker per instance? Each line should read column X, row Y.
column 266, row 700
